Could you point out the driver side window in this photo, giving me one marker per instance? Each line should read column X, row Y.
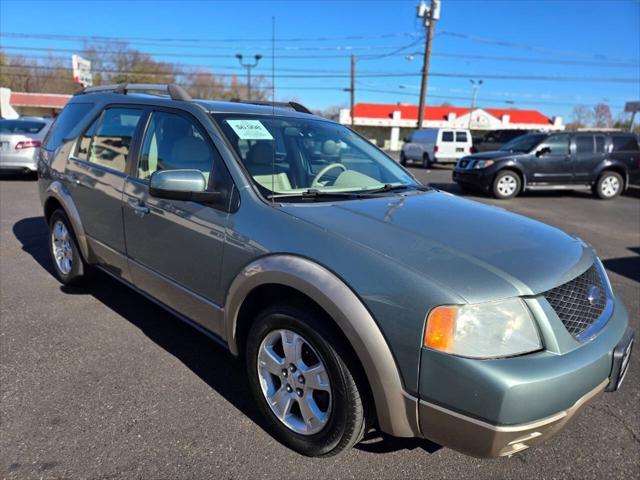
column 174, row 142
column 557, row 145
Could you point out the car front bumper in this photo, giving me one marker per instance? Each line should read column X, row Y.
column 480, row 178
column 488, row 408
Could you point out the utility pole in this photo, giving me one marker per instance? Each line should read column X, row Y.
column 475, row 86
column 430, row 14
column 352, row 90
column 248, row 66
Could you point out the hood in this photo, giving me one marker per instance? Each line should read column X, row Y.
column 492, row 155
column 480, row 252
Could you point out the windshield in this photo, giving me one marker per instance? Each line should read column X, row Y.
column 524, row 143
column 310, row 155
column 20, row 126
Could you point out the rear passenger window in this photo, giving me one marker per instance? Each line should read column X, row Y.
column 112, row 138
column 174, row 142
column 447, row 136
column 624, row 143
column 461, row 137
column 72, row 114
column 584, row 144
column 599, row 144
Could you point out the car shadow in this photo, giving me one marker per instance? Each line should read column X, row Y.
column 203, row 356
column 626, row 266
column 12, row 176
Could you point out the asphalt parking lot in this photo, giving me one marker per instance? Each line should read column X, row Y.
column 100, row 383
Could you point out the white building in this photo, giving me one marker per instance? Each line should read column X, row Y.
column 387, row 124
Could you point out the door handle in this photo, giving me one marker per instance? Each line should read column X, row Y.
column 73, row 179
column 138, row 207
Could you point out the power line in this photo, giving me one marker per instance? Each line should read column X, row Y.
column 50, row 36
column 379, row 75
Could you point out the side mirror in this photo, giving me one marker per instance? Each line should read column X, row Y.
column 543, row 151
column 188, row 185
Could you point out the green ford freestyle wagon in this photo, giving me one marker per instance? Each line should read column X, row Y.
column 358, row 297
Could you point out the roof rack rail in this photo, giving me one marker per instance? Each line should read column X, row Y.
column 292, row 105
column 176, row 92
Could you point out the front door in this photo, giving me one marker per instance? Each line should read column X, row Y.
column 96, row 174
column 553, row 161
column 175, row 247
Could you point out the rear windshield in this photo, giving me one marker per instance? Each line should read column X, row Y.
column 21, row 126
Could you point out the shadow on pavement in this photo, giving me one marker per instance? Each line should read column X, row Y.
column 626, row 266
column 202, row 355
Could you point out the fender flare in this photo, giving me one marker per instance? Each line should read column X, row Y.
column 608, row 164
column 396, row 410
column 58, row 191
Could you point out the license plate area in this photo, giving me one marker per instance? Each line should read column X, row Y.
column 621, row 356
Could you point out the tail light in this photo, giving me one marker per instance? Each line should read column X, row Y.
column 435, row 149
column 28, row 144
column 473, row 150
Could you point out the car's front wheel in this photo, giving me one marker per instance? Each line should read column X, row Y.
column 303, row 383
column 67, row 262
column 506, row 184
column 403, row 159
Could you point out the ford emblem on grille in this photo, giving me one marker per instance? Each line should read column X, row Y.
column 593, row 294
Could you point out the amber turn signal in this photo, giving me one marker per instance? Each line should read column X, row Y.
column 441, row 324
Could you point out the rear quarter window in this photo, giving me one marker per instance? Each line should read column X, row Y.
column 461, row 137
column 72, row 114
column 624, row 143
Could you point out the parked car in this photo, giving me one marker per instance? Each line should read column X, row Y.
column 357, row 296
column 493, row 140
column 20, row 141
column 436, row 145
column 601, row 161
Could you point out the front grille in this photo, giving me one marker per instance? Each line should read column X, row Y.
column 573, row 304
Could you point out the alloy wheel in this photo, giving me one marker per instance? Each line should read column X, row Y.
column 62, row 247
column 294, row 381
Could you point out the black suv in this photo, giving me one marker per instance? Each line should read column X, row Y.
column 605, row 162
column 494, row 139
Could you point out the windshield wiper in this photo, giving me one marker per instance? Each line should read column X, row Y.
column 313, row 193
column 387, row 187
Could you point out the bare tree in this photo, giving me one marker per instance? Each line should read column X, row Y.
column 602, row 116
column 582, row 116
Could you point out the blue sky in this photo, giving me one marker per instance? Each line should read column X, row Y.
column 576, row 39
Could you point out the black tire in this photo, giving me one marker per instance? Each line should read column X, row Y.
column 506, row 184
column 403, row 159
column 426, row 161
column 347, row 420
column 78, row 271
column 610, row 184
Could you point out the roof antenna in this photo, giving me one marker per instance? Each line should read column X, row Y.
column 273, row 103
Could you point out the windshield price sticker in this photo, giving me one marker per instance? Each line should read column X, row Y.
column 250, row 129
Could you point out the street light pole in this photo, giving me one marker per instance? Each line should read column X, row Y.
column 248, row 66
column 430, row 14
column 475, row 85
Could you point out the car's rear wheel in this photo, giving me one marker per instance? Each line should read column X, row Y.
column 68, row 264
column 426, row 161
column 506, row 184
column 609, row 185
column 403, row 159
column 304, row 382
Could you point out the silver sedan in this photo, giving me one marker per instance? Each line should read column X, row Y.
column 20, row 141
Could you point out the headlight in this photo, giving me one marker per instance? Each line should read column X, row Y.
column 483, row 163
column 485, row 330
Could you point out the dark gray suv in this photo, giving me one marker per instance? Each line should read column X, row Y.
column 358, row 297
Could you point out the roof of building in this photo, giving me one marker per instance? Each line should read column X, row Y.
column 40, row 100
column 410, row 112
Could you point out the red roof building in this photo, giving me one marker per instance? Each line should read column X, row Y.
column 373, row 119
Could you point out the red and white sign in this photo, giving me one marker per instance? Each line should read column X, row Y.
column 81, row 71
